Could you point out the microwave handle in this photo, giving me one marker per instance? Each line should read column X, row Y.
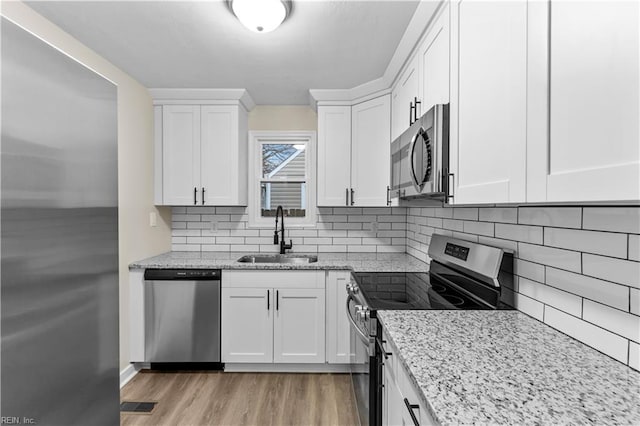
column 449, row 184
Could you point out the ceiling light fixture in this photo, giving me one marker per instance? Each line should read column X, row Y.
column 260, row 16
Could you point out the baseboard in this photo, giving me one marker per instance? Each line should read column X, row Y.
column 127, row 374
column 286, row 368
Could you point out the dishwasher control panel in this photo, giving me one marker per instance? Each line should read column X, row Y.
column 182, row 274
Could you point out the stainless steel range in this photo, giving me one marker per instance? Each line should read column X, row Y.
column 462, row 276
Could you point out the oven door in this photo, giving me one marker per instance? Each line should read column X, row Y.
column 363, row 367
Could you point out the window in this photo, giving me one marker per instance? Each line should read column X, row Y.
column 282, row 173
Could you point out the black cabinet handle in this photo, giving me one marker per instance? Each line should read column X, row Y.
column 352, row 197
column 203, row 195
column 195, row 196
column 416, row 102
column 277, row 299
column 412, row 407
column 346, row 196
column 268, row 297
column 388, row 195
column 411, row 113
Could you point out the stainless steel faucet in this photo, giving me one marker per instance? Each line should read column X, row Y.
column 283, row 246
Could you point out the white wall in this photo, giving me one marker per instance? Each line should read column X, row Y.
column 137, row 239
column 283, row 117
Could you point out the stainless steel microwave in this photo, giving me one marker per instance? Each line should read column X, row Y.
column 420, row 157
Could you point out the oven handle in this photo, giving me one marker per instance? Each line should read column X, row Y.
column 412, row 407
column 362, row 336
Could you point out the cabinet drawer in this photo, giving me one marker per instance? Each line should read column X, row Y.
column 271, row 279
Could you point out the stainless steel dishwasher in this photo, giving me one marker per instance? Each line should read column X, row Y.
column 182, row 316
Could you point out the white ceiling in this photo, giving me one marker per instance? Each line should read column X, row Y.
column 186, row 44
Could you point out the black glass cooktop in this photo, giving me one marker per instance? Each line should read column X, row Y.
column 423, row 291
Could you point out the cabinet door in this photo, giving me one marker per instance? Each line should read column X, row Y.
column 338, row 329
column 180, row 154
column 488, row 101
column 403, row 95
column 434, row 62
column 224, row 152
column 592, row 152
column 394, row 402
column 334, row 155
column 371, row 152
column 247, row 325
column 298, row 330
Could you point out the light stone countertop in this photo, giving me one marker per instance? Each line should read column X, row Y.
column 357, row 262
column 503, row 367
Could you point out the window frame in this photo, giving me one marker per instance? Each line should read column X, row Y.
column 256, row 140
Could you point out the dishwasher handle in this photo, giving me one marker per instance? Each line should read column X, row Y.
column 182, row 274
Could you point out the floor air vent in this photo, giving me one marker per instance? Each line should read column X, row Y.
column 137, row 407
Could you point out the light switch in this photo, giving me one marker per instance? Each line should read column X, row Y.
column 374, row 226
column 153, row 219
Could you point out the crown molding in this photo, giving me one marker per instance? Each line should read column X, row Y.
column 218, row 96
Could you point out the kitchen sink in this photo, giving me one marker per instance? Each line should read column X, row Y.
column 278, row 258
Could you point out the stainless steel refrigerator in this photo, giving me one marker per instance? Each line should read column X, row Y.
column 59, row 237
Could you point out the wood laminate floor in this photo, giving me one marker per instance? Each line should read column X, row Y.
column 216, row 398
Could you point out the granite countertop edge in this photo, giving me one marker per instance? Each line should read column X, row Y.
column 356, row 262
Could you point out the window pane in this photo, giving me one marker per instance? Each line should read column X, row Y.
column 291, row 196
column 283, row 161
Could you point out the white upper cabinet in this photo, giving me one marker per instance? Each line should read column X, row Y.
column 433, row 58
column 180, row 154
column 584, row 141
column 223, row 153
column 371, row 152
column 354, row 156
column 488, row 113
column 334, row 155
column 200, row 152
column 403, row 97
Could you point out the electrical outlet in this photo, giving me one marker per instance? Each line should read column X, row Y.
column 214, row 226
column 153, row 219
column 374, row 226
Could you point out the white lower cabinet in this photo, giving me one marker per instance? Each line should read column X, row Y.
column 273, row 317
column 247, row 325
column 298, row 326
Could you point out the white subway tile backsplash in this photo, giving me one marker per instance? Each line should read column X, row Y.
column 619, row 322
column 559, row 258
column 524, row 233
column 466, row 213
column 606, row 342
column 634, row 301
column 611, row 294
column 562, row 217
column 606, row 243
column 634, row 247
column 615, row 219
column 360, row 249
column 530, row 270
column 452, row 224
column 215, row 247
column 479, row 228
column 347, row 225
column 620, row 271
column 446, row 213
column 529, row 306
column 499, row 214
column 634, row 355
column 564, row 301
